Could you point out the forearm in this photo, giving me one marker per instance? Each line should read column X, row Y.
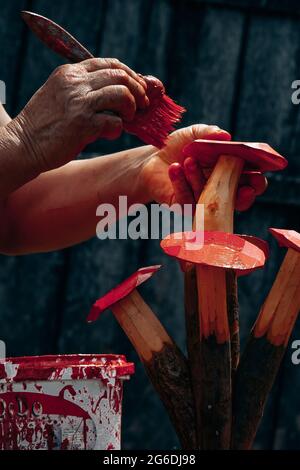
column 17, row 166
column 58, row 208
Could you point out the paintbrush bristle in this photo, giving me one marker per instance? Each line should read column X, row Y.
column 154, row 124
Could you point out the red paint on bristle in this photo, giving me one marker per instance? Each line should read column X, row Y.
column 154, row 124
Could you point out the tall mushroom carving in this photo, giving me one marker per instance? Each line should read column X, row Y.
column 213, row 254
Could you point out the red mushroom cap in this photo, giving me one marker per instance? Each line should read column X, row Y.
column 121, row 291
column 259, row 242
column 286, row 238
column 218, row 249
column 262, row 244
column 258, row 156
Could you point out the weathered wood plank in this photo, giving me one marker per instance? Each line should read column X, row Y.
column 11, row 39
column 290, row 7
column 266, row 112
column 30, row 288
column 202, row 62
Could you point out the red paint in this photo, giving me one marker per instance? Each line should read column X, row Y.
column 259, row 156
column 218, row 249
column 121, row 291
column 36, row 404
column 286, row 238
column 259, row 242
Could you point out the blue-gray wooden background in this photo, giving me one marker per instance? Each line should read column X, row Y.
column 231, row 63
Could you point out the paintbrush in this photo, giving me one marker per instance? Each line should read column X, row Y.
column 151, row 125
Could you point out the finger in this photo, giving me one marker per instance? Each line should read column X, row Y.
column 182, row 191
column 245, row 198
column 91, row 65
column 218, row 135
column 115, row 98
column 256, row 180
column 194, row 176
column 203, row 131
column 107, row 77
column 107, row 126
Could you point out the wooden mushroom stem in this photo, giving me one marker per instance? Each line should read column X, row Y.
column 233, row 318
column 264, row 351
column 192, row 320
column 210, row 358
column 219, row 195
column 213, row 403
column 218, row 198
column 165, row 364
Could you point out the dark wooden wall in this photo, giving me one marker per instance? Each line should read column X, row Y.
column 231, row 63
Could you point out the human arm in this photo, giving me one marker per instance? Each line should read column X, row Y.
column 58, row 208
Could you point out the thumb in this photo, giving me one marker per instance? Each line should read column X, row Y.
column 201, row 131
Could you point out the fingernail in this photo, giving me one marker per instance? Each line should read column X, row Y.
column 219, row 135
column 221, row 131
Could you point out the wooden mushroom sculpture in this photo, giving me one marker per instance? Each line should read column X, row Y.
column 228, row 160
column 165, row 364
column 267, row 344
column 213, row 254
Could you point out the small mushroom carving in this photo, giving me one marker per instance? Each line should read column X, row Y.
column 267, row 343
column 213, row 253
column 165, row 364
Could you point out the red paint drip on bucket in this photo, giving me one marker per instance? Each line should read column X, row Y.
column 68, row 402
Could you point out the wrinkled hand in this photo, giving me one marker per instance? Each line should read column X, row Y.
column 169, row 177
column 66, row 113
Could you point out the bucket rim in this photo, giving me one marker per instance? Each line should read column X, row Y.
column 65, row 366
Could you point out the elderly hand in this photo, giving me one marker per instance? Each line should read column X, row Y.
column 75, row 107
column 170, row 178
